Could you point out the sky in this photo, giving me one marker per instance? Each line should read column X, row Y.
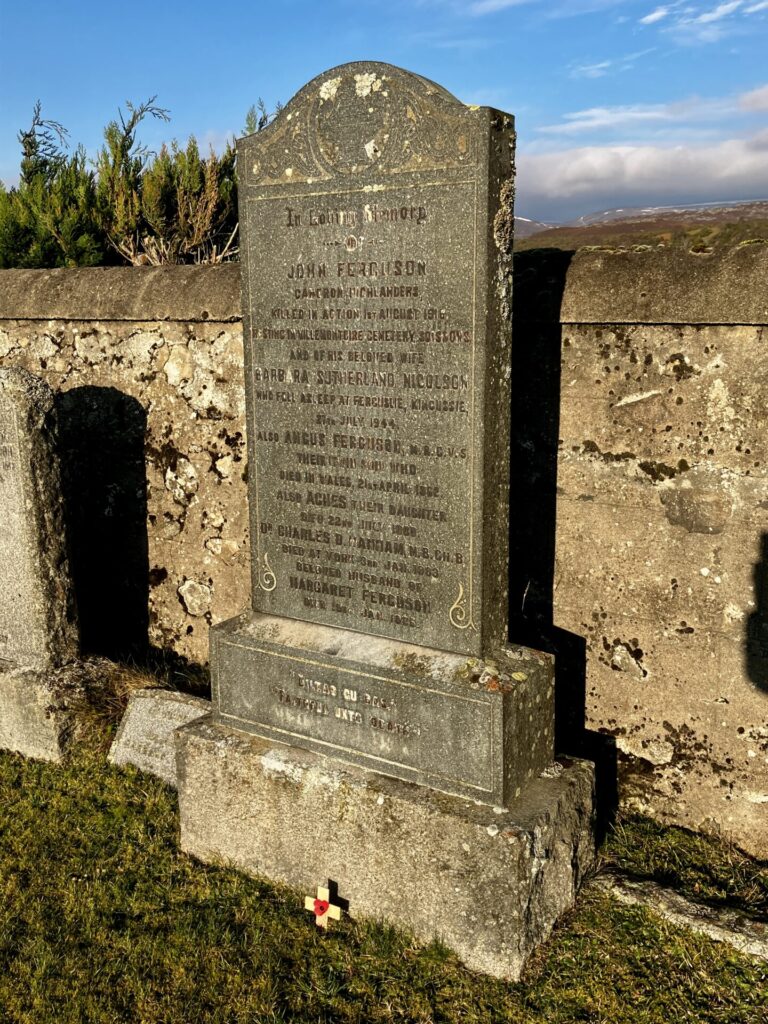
column 617, row 102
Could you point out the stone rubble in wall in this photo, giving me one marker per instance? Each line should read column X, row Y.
column 188, row 379
column 196, row 597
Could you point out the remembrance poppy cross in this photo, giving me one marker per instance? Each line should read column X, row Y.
column 322, row 907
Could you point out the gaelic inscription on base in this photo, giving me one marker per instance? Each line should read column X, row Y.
column 365, row 320
column 399, row 726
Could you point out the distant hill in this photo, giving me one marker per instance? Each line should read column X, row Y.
column 754, row 209
column 697, row 227
column 524, row 227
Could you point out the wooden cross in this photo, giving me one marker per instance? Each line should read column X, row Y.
column 322, row 907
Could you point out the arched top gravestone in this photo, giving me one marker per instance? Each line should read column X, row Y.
column 376, row 245
column 363, row 120
column 376, row 240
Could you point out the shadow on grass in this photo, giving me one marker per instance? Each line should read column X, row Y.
column 103, row 919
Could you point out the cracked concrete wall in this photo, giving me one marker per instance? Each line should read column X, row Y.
column 662, row 511
column 662, row 521
column 661, row 559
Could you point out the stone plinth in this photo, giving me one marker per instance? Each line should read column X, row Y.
column 475, row 727
column 488, row 882
column 33, row 720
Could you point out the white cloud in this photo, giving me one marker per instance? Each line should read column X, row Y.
column 757, row 99
column 491, row 6
column 653, row 119
column 592, row 70
column 680, row 15
column 728, row 169
column 605, row 67
column 654, row 16
column 692, row 33
column 561, row 9
column 598, row 118
column 719, row 12
column 217, row 140
column 630, row 117
column 691, row 23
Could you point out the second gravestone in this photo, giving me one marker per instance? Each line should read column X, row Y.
column 376, row 241
column 38, row 629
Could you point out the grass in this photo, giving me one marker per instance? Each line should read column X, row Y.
column 100, row 699
column 704, row 868
column 102, row 919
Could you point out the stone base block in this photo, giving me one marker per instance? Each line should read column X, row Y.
column 32, row 720
column 145, row 736
column 489, row 883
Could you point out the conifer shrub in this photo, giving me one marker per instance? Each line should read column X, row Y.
column 49, row 219
column 129, row 206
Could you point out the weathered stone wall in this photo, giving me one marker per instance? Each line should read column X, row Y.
column 640, row 406
column 170, row 340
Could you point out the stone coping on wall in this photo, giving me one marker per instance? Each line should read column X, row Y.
column 649, row 286
column 597, row 285
column 181, row 293
column 668, row 287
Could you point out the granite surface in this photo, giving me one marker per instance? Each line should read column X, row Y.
column 481, row 728
column 34, row 721
column 145, row 736
column 376, row 240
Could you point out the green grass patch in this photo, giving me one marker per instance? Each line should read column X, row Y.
column 705, row 868
column 102, row 919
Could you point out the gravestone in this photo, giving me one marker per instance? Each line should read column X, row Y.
column 376, row 239
column 145, row 735
column 377, row 235
column 38, row 632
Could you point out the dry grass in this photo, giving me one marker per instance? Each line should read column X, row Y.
column 661, row 233
column 99, row 698
column 104, row 921
column 706, row 868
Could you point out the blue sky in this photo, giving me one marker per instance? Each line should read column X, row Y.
column 618, row 102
